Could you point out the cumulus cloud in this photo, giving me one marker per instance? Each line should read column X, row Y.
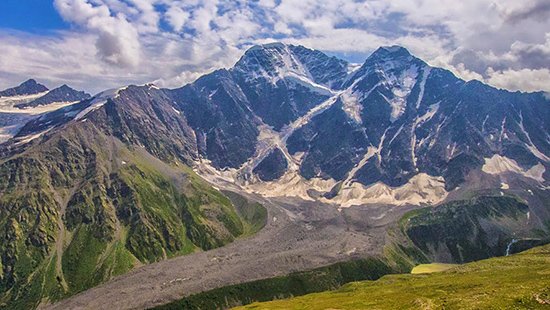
column 177, row 17
column 172, row 42
column 533, row 56
column 117, row 40
column 524, row 79
column 539, row 9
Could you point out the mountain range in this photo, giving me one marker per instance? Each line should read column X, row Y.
column 96, row 186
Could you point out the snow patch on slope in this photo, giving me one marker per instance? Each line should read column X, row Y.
column 400, row 87
column 308, row 83
column 421, row 189
column 500, row 164
column 98, row 101
column 12, row 119
column 7, row 105
column 371, row 151
column 418, row 121
column 9, row 131
column 425, row 74
column 530, row 145
column 9, row 102
column 29, row 138
column 351, row 106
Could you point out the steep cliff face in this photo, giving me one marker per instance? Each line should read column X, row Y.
column 396, row 130
column 419, row 119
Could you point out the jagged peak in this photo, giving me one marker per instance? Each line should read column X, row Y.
column 67, row 90
column 387, row 58
column 269, row 51
column 394, row 56
column 28, row 87
column 65, row 86
column 267, row 46
column 276, row 61
column 271, row 61
column 393, row 51
column 29, row 82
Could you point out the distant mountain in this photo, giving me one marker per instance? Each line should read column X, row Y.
column 61, row 94
column 396, row 130
column 28, row 102
column 29, row 87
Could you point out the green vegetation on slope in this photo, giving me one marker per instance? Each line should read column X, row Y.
column 295, row 284
column 468, row 230
column 254, row 214
column 84, row 207
column 520, row 281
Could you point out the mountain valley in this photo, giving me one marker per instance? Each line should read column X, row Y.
column 286, row 164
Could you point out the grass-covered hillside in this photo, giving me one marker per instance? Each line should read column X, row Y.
column 82, row 207
column 519, row 281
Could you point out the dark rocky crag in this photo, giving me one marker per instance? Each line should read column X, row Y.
column 29, row 87
column 61, row 94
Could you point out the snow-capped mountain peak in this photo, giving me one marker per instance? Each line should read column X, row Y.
column 272, row 62
column 277, row 61
column 393, row 51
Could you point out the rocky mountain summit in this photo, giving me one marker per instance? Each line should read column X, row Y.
column 29, row 87
column 63, row 93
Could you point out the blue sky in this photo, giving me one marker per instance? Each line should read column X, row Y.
column 99, row 44
column 35, row 16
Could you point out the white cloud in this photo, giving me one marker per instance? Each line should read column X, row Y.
column 524, row 79
column 177, row 17
column 113, row 42
column 117, row 40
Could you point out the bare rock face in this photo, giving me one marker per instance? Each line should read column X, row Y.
column 28, row 87
column 272, row 167
column 61, row 94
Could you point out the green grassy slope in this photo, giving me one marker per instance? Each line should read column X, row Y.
column 467, row 230
column 299, row 283
column 519, row 281
column 83, row 207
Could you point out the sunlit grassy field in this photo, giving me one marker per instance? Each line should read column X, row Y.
column 520, row 281
column 429, row 268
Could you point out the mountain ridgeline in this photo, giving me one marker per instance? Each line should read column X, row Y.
column 92, row 187
column 392, row 122
column 388, row 121
column 29, row 87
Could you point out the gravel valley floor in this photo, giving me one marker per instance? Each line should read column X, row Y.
column 299, row 235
